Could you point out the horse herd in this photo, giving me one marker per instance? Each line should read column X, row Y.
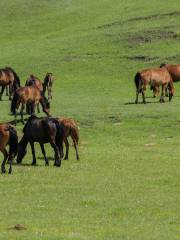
column 164, row 76
column 42, row 130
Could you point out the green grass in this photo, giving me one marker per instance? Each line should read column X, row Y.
column 126, row 185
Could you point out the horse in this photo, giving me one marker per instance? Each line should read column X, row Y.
column 70, row 130
column 8, row 136
column 155, row 78
column 174, row 70
column 33, row 81
column 28, row 95
column 8, row 77
column 42, row 130
column 47, row 84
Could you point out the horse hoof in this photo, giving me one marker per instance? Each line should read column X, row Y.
column 66, row 158
column 10, row 171
column 57, row 164
column 46, row 164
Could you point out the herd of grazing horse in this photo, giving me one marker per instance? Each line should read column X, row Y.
column 42, row 130
column 165, row 76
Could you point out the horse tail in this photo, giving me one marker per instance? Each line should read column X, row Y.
column 14, row 102
column 13, row 142
column 59, row 136
column 137, row 80
column 74, row 133
column 60, row 131
column 171, row 89
column 15, row 75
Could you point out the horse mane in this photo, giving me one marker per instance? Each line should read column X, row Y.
column 33, row 116
column 15, row 75
column 162, row 65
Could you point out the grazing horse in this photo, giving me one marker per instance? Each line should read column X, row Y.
column 70, row 129
column 155, row 78
column 42, row 130
column 48, row 81
column 32, row 95
column 8, row 136
column 174, row 70
column 8, row 77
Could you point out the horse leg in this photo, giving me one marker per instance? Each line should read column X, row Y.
column 76, row 148
column 143, row 96
column 67, row 148
column 56, row 151
column 44, row 154
column 10, row 159
column 10, row 91
column 137, row 94
column 33, row 153
column 162, row 93
column 3, row 170
column 7, row 91
column 21, row 112
column 1, row 93
column 49, row 93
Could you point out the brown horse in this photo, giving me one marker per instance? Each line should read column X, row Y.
column 8, row 136
column 48, row 81
column 70, row 130
column 33, row 81
column 8, row 77
column 154, row 78
column 31, row 95
column 174, row 70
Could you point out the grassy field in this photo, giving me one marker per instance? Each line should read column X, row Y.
column 127, row 182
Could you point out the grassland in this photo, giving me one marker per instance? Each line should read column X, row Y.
column 126, row 185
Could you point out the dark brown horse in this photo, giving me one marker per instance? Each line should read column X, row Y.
column 70, row 130
column 155, row 78
column 8, row 77
column 47, row 84
column 174, row 70
column 42, row 130
column 8, row 136
column 32, row 95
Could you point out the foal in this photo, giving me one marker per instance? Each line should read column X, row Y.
column 42, row 130
column 29, row 95
column 70, row 130
column 8, row 136
column 155, row 78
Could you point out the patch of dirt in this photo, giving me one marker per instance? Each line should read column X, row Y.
column 142, row 58
column 150, row 36
column 150, row 17
column 175, row 58
column 18, row 227
column 155, row 16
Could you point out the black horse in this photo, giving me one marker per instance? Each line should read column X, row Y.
column 42, row 130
